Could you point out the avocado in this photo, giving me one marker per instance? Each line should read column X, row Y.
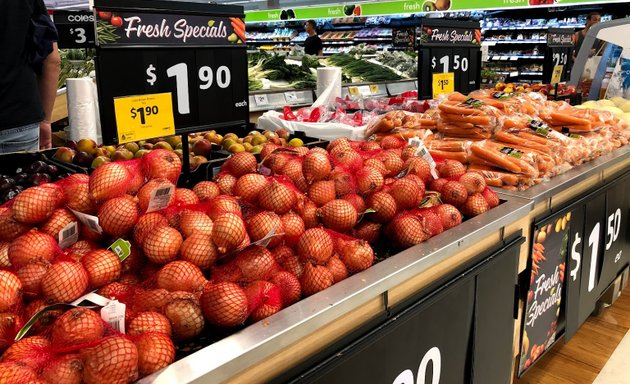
column 283, row 15
column 348, row 10
column 429, row 6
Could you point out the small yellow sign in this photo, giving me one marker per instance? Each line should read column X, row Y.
column 374, row 88
column 354, row 91
column 556, row 75
column 144, row 117
column 443, row 83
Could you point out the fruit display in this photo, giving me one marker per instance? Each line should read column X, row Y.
column 228, row 253
column 30, row 172
column 203, row 146
column 515, row 140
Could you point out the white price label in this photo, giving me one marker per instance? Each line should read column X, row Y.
column 160, row 198
column 114, row 315
column 92, row 298
column 261, row 100
column 68, row 235
column 365, row 90
column 89, row 221
column 422, row 151
column 291, row 97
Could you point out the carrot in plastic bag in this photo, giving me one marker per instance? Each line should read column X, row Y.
column 462, row 157
column 494, row 157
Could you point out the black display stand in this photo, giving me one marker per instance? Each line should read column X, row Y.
column 75, row 29
column 559, row 52
column 446, row 46
column 459, row 330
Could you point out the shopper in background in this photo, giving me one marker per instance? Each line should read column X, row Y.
column 313, row 44
column 578, row 38
column 29, row 71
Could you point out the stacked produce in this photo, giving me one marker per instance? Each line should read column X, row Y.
column 513, row 140
column 228, row 252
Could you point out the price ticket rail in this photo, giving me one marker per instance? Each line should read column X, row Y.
column 264, row 351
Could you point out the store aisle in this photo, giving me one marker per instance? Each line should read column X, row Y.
column 597, row 354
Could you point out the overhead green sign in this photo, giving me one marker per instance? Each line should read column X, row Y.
column 380, row 8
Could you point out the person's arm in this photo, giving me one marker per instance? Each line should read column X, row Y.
column 48, row 93
column 320, row 51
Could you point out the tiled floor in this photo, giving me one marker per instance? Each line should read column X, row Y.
column 599, row 353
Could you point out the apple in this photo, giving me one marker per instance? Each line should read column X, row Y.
column 202, row 147
column 64, row 154
column 163, row 145
column 87, row 145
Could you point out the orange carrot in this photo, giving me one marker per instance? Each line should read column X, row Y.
column 456, row 96
column 533, row 137
column 449, row 107
column 459, row 156
column 568, row 119
column 495, row 158
column 494, row 181
column 476, row 120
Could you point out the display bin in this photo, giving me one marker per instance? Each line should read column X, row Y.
column 296, row 339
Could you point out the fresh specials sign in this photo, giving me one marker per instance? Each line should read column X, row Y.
column 162, row 29
column 544, row 297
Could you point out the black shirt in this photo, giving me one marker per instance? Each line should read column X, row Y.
column 313, row 45
column 19, row 97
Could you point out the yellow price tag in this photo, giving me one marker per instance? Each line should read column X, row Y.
column 443, row 83
column 556, row 75
column 354, row 91
column 144, row 116
column 374, row 88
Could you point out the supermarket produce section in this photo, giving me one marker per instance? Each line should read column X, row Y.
column 446, row 209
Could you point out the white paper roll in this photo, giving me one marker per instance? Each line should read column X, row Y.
column 82, row 110
column 328, row 85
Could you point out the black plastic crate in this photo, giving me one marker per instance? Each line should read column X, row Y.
column 49, row 154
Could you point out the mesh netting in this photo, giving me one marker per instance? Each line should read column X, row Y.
column 384, row 206
column 77, row 190
column 180, row 275
column 226, row 183
column 155, row 351
column 65, row 281
column 293, row 227
column 278, row 196
column 31, row 247
column 321, row 192
column 162, row 244
column 315, row 278
column 316, row 166
column 153, row 185
column 118, row 216
column 9, row 227
column 199, row 250
column 108, row 181
column 224, row 304
column 263, row 298
column 229, row 232
column 206, row 190
column 263, row 225
column 186, row 318
column 248, row 186
column 59, row 219
column 161, row 163
column 145, row 322
column 102, row 266
column 240, row 164
column 184, row 196
column 289, row 286
column 36, row 204
column 315, row 246
column 31, row 276
column 338, row 215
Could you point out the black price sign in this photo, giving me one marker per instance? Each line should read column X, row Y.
column 558, row 57
column 547, row 265
column 449, row 47
column 404, row 37
column 75, row 29
column 195, row 52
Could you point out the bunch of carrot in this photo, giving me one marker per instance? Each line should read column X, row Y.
column 239, row 27
column 450, row 149
column 396, row 120
column 467, row 118
column 577, row 120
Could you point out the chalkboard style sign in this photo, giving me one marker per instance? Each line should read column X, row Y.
column 544, row 297
column 404, row 37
